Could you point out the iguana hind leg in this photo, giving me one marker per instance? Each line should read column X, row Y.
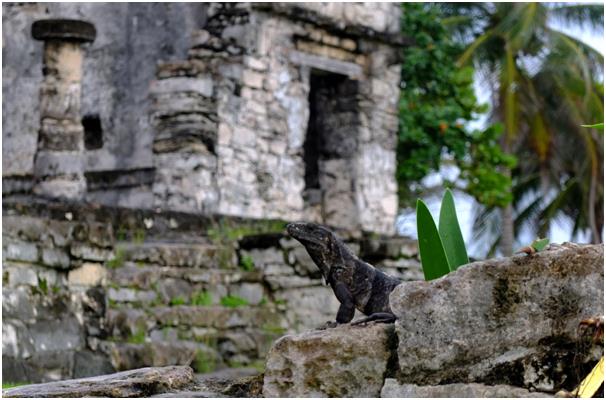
column 383, row 317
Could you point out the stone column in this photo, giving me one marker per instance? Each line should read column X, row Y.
column 59, row 162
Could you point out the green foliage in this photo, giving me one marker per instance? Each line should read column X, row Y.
column 247, row 263
column 437, row 100
column 233, row 301
column 540, row 244
column 450, row 233
column 118, row 260
column 203, row 298
column 273, row 329
column 204, row 362
column 177, row 301
column 139, row 236
column 598, row 126
column 43, row 286
column 441, row 250
column 137, row 338
column 225, row 234
column 433, row 256
column 8, row 385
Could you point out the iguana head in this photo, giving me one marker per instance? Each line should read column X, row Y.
column 322, row 245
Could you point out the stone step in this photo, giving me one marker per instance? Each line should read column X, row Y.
column 194, row 255
column 142, row 382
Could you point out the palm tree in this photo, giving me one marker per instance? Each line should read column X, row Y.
column 543, row 85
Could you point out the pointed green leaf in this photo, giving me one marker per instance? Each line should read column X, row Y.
column 601, row 126
column 540, row 244
column 450, row 232
column 433, row 256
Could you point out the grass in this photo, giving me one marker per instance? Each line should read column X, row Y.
column 137, row 338
column 203, row 363
column 203, row 298
column 177, row 301
column 273, row 329
column 9, row 385
column 233, row 301
column 247, row 263
column 118, row 259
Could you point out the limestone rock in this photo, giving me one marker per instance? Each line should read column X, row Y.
column 392, row 389
column 142, row 382
column 347, row 361
column 502, row 321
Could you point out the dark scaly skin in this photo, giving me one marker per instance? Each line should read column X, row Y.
column 357, row 285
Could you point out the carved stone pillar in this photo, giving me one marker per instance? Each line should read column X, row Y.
column 59, row 162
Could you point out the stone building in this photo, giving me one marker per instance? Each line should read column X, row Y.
column 151, row 156
column 255, row 110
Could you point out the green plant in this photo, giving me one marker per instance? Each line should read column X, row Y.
column 203, row 298
column 204, row 362
column 247, row 263
column 137, row 337
column 177, row 301
column 437, row 103
column 43, row 286
column 139, row 236
column 273, row 329
column 233, row 301
column 442, row 250
column 8, row 385
column 118, row 260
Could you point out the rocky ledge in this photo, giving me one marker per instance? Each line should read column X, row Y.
column 498, row 328
column 174, row 381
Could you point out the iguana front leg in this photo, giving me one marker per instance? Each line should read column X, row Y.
column 348, row 308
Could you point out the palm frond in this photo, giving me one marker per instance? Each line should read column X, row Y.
column 583, row 15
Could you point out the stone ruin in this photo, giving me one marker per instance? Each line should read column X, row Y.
column 149, row 164
column 277, row 111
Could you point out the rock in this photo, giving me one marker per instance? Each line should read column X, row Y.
column 502, row 321
column 392, row 389
column 20, row 251
column 55, row 258
column 142, row 382
column 87, row 363
column 347, row 361
column 89, row 274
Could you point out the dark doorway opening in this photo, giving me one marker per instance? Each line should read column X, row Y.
column 331, row 139
column 93, row 133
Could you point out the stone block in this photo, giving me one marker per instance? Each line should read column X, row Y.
column 21, row 274
column 100, row 234
column 89, row 274
column 251, row 292
column 201, row 85
column 131, row 295
column 55, row 258
column 527, row 309
column 252, row 79
column 18, row 303
column 20, row 251
column 57, row 335
column 87, row 252
column 341, row 362
column 16, row 339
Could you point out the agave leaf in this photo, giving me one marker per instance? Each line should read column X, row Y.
column 540, row 244
column 600, row 125
column 433, row 255
column 450, row 232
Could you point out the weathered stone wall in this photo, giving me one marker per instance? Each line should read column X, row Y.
column 117, row 70
column 234, row 142
column 92, row 290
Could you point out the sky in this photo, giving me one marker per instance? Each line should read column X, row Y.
column 465, row 204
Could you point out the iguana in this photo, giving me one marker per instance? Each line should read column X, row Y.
column 357, row 285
